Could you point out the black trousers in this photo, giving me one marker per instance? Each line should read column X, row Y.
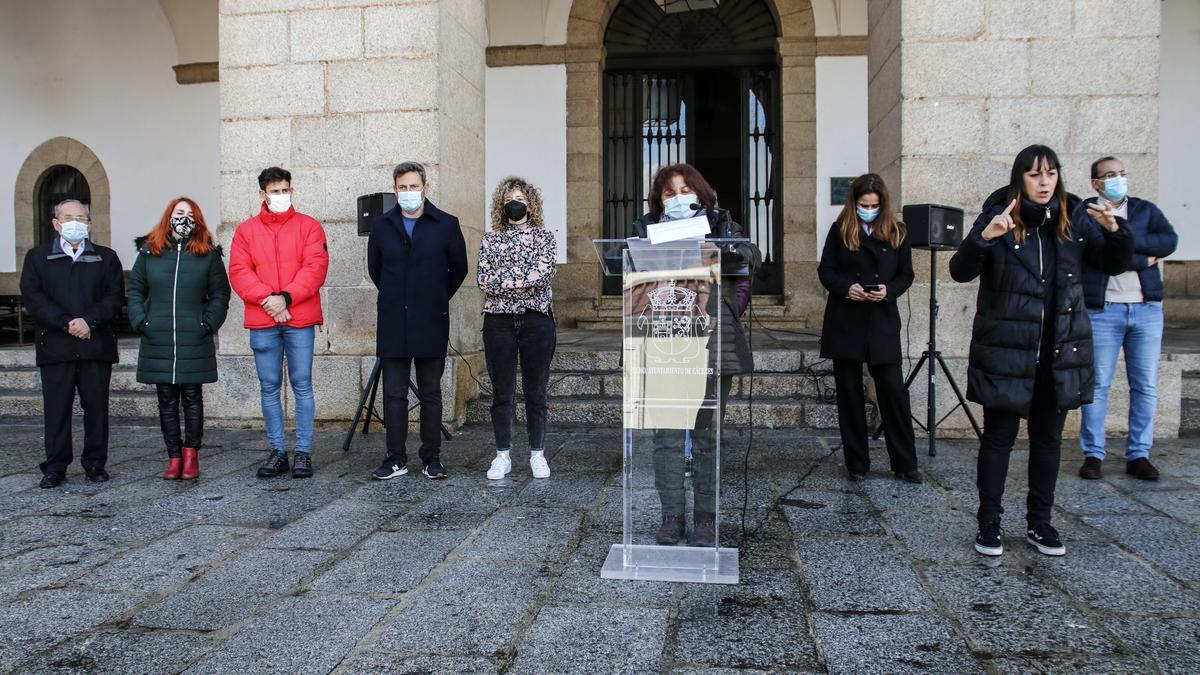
column 1045, row 448
column 669, row 460
column 894, row 408
column 529, row 338
column 396, row 373
column 60, row 381
column 169, row 396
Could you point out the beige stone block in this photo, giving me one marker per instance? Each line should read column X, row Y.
column 1029, row 18
column 327, row 141
column 361, row 3
column 584, row 112
column 471, row 16
column 461, row 53
column 943, row 127
column 955, row 181
column 883, row 90
column 350, row 315
column 327, row 35
column 347, row 256
column 933, row 19
column 884, row 147
column 1117, row 125
column 798, row 23
column 235, row 394
column 272, row 91
column 391, row 138
column 239, row 197
column 467, row 111
column 801, row 79
column 1142, row 169
column 883, row 37
column 581, row 167
column 583, row 140
column 402, row 30
column 799, row 108
column 251, row 40
column 337, row 385
column 1014, row 123
column 383, row 85
column 1118, row 18
column 341, row 188
column 253, row 145
column 995, row 68
column 258, row 6
column 1130, row 66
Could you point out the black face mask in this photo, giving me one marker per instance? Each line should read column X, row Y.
column 515, row 211
column 1033, row 214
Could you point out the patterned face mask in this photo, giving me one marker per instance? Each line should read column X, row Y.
column 183, row 225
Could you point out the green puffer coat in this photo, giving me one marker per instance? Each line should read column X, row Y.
column 177, row 301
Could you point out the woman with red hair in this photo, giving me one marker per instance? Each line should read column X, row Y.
column 178, row 297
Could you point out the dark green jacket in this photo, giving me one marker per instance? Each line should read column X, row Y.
column 177, row 301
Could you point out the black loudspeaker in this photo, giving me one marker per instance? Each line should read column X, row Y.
column 931, row 226
column 371, row 207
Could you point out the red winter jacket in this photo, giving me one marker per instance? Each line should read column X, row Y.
column 278, row 252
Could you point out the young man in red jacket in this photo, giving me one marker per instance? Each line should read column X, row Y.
column 277, row 265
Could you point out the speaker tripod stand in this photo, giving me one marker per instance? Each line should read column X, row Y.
column 933, row 358
column 366, row 405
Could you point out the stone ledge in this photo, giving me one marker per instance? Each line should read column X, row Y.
column 197, row 73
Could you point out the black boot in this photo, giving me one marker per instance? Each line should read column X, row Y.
column 276, row 465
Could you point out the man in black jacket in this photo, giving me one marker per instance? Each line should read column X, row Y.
column 75, row 290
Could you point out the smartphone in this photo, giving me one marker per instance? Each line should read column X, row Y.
column 872, row 288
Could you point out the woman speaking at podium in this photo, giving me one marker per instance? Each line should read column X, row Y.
column 1031, row 342
column 679, row 191
column 866, row 265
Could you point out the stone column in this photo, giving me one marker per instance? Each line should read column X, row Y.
column 957, row 89
column 339, row 92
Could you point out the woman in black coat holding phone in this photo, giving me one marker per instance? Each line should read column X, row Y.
column 866, row 265
column 1031, row 341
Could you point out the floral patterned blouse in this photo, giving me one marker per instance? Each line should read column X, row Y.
column 516, row 268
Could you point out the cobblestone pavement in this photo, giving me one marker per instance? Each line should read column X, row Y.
column 339, row 573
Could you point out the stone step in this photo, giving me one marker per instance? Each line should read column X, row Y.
column 28, row 379
column 1189, row 404
column 143, row 404
column 764, row 385
column 24, row 357
column 765, row 361
column 593, row 412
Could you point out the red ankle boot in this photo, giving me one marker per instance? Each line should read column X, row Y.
column 174, row 466
column 191, row 464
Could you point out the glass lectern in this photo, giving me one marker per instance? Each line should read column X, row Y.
column 671, row 409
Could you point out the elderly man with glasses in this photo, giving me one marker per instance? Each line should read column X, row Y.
column 1126, row 313
column 74, row 289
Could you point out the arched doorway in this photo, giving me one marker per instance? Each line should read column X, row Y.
column 702, row 87
column 58, row 183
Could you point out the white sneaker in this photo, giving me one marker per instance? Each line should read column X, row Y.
column 537, row 464
column 501, row 466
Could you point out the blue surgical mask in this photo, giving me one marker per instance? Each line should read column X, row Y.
column 1115, row 188
column 74, row 231
column 867, row 215
column 410, row 201
column 680, row 206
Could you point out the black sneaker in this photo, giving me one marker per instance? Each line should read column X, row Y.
column 301, row 465
column 51, row 480
column 1044, row 538
column 97, row 475
column 987, row 542
column 434, row 471
column 276, row 465
column 391, row 468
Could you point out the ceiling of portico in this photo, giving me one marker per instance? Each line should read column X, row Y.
column 194, row 23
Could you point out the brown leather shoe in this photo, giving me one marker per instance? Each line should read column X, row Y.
column 1142, row 469
column 671, row 530
column 1090, row 469
column 704, row 529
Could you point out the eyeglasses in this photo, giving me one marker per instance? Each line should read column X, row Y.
column 1112, row 174
column 75, row 219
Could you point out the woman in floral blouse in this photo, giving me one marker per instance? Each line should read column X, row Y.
column 516, row 268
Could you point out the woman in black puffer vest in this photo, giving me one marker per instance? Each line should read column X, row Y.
column 178, row 297
column 1031, row 343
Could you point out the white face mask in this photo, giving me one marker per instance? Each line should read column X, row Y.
column 74, row 231
column 279, row 203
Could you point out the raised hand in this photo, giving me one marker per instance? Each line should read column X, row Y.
column 1002, row 223
column 1102, row 212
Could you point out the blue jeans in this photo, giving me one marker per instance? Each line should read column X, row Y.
column 270, row 345
column 1138, row 327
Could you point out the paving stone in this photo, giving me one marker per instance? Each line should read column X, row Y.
column 838, row 512
column 28, row 532
column 422, row 519
column 890, row 494
column 121, row 653
column 389, row 562
column 589, row 640
column 935, row 536
column 169, row 561
column 258, row 575
column 1168, row 643
column 19, row 482
column 374, row 662
column 133, row 526
column 333, row 623
column 50, row 565
column 892, row 644
column 589, row 452
column 337, row 526
column 1182, row 505
column 1104, row 577
column 859, row 575
column 562, row 490
column 525, row 534
column 42, row 620
column 468, row 617
column 1167, row 544
column 1071, row 664
column 280, row 502
column 580, row 582
column 1093, row 497
column 1004, row 611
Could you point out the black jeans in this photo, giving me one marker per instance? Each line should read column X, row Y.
column 669, row 464
column 60, row 381
column 1045, row 445
column 169, row 396
column 894, row 408
column 531, row 338
column 396, row 373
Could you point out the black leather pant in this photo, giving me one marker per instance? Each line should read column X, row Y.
column 169, row 396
